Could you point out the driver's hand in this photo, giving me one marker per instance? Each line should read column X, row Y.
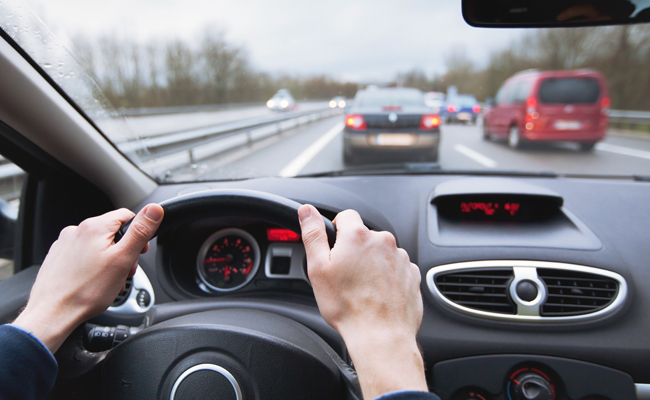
column 84, row 271
column 368, row 290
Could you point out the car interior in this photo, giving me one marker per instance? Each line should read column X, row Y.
column 533, row 282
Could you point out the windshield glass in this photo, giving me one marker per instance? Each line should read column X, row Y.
column 390, row 97
column 569, row 90
column 199, row 90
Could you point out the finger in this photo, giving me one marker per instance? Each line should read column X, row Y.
column 133, row 269
column 141, row 230
column 349, row 222
column 313, row 236
column 145, row 249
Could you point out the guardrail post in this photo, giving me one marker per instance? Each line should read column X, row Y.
column 191, row 154
column 249, row 139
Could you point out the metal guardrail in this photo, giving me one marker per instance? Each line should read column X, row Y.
column 136, row 112
column 629, row 117
column 165, row 153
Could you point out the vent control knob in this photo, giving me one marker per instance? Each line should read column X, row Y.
column 531, row 386
column 527, row 290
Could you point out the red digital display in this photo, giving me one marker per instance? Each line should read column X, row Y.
column 281, row 235
column 489, row 208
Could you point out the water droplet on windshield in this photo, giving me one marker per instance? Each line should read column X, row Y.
column 47, row 65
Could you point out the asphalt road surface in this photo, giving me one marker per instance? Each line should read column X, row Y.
column 318, row 148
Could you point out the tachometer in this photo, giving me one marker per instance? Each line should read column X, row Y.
column 228, row 260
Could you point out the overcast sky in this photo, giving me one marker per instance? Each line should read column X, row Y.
column 359, row 40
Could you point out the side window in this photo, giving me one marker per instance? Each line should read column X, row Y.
column 521, row 92
column 11, row 184
column 510, row 93
column 500, row 98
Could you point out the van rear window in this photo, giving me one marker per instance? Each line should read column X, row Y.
column 569, row 90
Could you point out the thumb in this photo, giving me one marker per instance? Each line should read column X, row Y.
column 141, row 230
column 313, row 237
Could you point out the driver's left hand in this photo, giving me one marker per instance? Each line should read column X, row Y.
column 84, row 271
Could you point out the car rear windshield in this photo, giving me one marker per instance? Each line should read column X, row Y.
column 381, row 98
column 569, row 90
column 466, row 101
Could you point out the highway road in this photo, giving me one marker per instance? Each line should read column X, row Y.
column 317, row 147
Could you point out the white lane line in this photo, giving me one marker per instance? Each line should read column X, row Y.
column 623, row 150
column 295, row 166
column 475, row 155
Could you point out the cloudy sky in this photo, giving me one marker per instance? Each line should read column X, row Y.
column 348, row 39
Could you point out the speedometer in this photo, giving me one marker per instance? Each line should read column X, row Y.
column 228, row 260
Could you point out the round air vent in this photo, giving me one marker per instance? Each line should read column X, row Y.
column 527, row 291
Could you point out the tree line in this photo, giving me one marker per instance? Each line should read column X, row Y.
column 175, row 73
column 215, row 71
column 620, row 53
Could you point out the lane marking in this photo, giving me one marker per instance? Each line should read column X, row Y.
column 475, row 155
column 295, row 166
column 623, row 150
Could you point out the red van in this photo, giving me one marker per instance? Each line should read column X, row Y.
column 536, row 106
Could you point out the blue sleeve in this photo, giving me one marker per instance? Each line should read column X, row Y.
column 408, row 395
column 27, row 368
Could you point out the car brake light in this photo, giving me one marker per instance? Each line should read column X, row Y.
column 604, row 105
column 355, row 121
column 476, row 109
column 531, row 104
column 281, row 235
column 451, row 108
column 429, row 121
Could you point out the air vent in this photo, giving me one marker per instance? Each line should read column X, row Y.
column 575, row 293
column 484, row 290
column 522, row 291
column 124, row 294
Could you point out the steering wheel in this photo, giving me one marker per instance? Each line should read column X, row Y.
column 221, row 348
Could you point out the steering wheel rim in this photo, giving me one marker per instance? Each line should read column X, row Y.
column 254, row 204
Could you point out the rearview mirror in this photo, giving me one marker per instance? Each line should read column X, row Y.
column 554, row 13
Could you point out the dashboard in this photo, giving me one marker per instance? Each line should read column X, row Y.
column 553, row 274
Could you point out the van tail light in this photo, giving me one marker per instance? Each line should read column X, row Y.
column 451, row 108
column 604, row 105
column 476, row 109
column 356, row 121
column 531, row 105
column 429, row 121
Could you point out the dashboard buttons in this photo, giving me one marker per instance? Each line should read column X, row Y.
column 527, row 290
column 143, row 298
column 530, row 384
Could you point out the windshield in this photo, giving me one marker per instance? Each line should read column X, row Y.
column 390, row 97
column 569, row 90
column 201, row 90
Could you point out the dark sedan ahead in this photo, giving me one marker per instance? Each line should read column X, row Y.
column 391, row 123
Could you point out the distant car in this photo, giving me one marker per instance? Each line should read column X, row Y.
column 535, row 106
column 391, row 122
column 338, row 102
column 282, row 101
column 461, row 108
column 435, row 100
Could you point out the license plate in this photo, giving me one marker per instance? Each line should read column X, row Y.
column 567, row 125
column 395, row 139
column 464, row 116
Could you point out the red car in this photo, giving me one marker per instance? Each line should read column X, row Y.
column 549, row 106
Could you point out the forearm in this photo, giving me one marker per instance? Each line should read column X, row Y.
column 386, row 364
column 51, row 328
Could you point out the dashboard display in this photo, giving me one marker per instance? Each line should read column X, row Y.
column 228, row 260
column 497, row 207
